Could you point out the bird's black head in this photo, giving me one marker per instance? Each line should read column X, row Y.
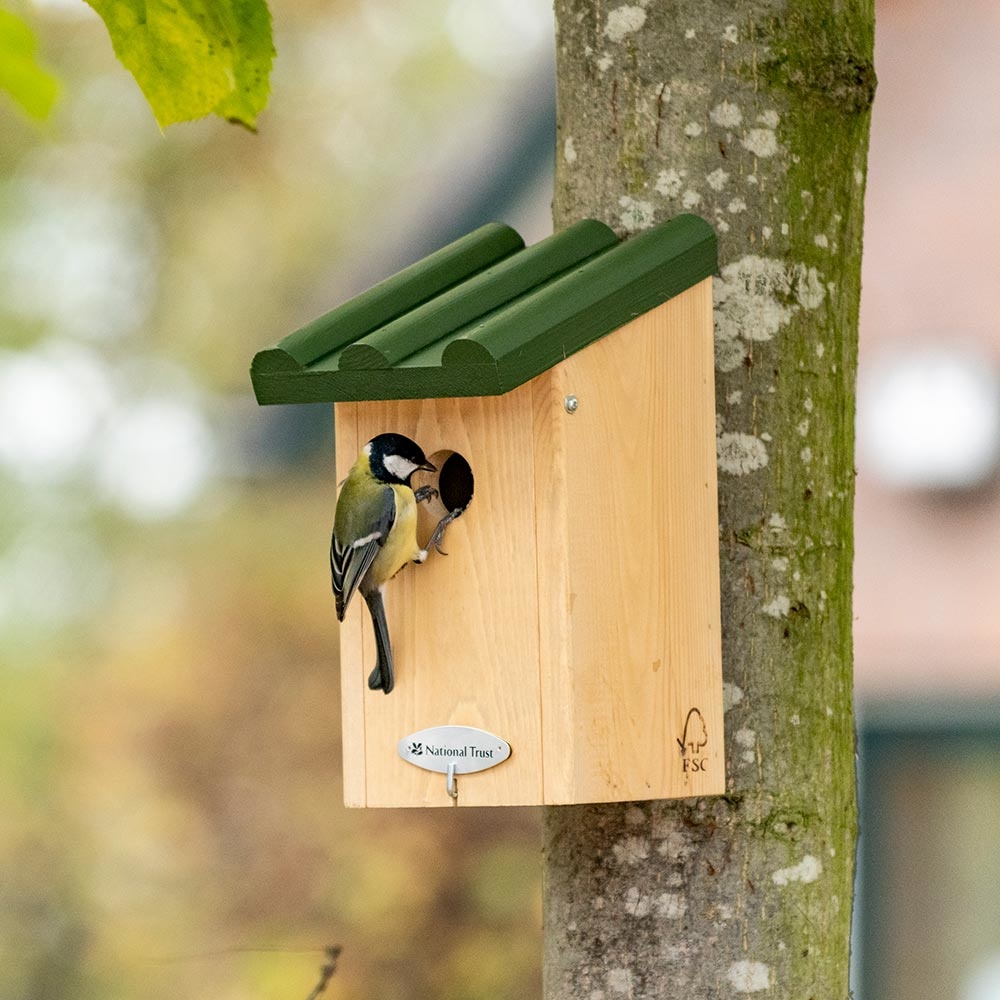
column 394, row 458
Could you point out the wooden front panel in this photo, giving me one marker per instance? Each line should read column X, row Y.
column 464, row 627
column 628, row 562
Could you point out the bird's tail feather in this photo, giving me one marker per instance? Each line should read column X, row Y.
column 382, row 676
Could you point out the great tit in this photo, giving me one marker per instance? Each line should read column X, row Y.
column 375, row 535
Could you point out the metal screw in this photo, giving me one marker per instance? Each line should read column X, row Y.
column 571, row 403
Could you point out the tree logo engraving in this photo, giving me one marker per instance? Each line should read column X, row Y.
column 692, row 741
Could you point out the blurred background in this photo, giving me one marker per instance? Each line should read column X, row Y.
column 169, row 759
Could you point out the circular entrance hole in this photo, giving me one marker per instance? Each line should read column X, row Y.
column 455, row 486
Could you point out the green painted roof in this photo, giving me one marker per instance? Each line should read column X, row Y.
column 484, row 314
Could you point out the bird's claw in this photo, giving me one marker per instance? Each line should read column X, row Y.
column 438, row 536
column 423, row 493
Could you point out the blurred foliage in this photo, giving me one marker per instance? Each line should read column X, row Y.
column 21, row 75
column 170, row 749
column 195, row 57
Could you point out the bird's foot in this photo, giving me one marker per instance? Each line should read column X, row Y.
column 424, row 493
column 438, row 536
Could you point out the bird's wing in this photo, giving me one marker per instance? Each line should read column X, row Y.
column 351, row 559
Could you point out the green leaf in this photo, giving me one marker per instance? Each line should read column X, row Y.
column 195, row 57
column 33, row 87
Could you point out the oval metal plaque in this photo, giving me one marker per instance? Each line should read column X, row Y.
column 469, row 749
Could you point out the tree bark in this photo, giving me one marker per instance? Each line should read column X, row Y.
column 755, row 116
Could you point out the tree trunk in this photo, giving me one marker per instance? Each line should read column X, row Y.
column 755, row 116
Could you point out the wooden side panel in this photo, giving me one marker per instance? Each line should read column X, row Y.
column 353, row 727
column 631, row 652
column 464, row 627
column 556, row 592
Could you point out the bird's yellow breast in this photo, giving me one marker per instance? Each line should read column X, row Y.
column 401, row 547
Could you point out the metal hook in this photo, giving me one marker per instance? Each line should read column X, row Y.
column 452, row 784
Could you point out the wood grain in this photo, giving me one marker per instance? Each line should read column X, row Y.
column 629, row 570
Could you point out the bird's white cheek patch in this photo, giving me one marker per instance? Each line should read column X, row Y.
column 400, row 467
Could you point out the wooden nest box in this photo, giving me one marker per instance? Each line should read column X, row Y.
column 576, row 615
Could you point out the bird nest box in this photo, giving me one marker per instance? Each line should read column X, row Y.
column 568, row 388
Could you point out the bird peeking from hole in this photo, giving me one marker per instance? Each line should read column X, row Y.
column 375, row 534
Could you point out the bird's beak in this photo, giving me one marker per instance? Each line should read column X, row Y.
column 427, row 467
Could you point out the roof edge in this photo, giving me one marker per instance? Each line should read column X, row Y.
column 484, row 315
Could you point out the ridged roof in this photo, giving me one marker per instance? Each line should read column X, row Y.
column 484, row 314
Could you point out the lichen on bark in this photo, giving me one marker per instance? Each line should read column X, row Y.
column 756, row 117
